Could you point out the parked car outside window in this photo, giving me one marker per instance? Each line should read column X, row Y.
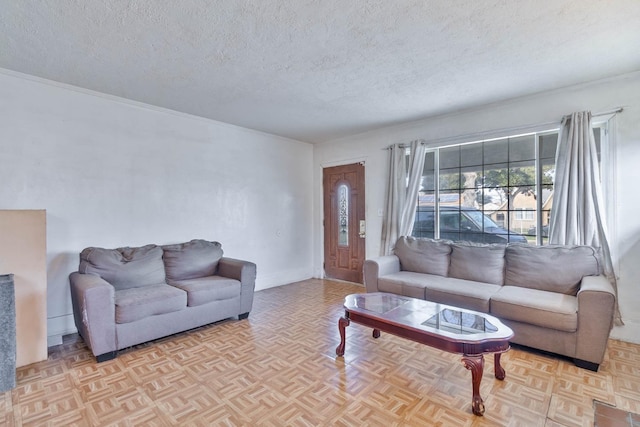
column 545, row 230
column 462, row 224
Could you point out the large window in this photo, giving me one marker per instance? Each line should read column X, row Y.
column 492, row 191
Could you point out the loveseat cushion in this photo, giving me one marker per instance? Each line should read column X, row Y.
column 190, row 260
column 137, row 303
column 206, row 289
column 478, row 262
column 553, row 268
column 461, row 293
column 407, row 283
column 445, row 290
column 125, row 267
column 541, row 308
column 423, row 255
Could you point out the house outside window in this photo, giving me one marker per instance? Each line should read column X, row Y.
column 491, row 191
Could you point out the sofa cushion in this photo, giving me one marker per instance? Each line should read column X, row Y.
column 478, row 262
column 541, row 308
column 460, row 293
column 407, row 283
column 206, row 289
column 126, row 267
column 137, row 303
column 551, row 268
column 423, row 255
column 190, row 260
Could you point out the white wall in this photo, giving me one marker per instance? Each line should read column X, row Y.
column 112, row 173
column 492, row 120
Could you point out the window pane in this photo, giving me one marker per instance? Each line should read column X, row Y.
column 343, row 215
column 500, row 218
column 428, row 182
column 471, row 177
column 522, row 148
column 450, row 157
column 522, row 173
column 496, row 176
column 548, row 144
column 496, row 151
column 450, row 223
column 424, row 222
column 533, row 230
column 449, row 179
column 597, row 135
column 548, row 173
column 451, row 198
column 471, row 155
column 491, row 198
column 546, row 214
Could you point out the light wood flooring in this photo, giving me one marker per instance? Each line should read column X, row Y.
column 279, row 368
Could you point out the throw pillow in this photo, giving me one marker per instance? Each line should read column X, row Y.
column 554, row 268
column 422, row 255
column 191, row 260
column 126, row 267
column 478, row 262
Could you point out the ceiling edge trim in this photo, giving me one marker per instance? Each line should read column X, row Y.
column 137, row 104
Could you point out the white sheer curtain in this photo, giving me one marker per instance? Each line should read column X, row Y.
column 577, row 216
column 402, row 192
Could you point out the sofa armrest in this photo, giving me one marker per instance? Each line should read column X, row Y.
column 94, row 312
column 377, row 267
column 245, row 272
column 596, row 302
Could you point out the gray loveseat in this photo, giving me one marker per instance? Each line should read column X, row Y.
column 126, row 296
column 553, row 297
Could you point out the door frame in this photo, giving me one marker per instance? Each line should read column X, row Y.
column 321, row 240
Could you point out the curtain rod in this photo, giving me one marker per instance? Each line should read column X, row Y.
column 606, row 113
column 422, row 142
column 514, row 129
column 602, row 113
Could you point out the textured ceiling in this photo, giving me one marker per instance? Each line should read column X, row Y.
column 315, row 70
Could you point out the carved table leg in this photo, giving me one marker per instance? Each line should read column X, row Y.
column 498, row 369
column 342, row 324
column 475, row 363
column 376, row 333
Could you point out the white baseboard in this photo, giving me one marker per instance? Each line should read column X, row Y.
column 282, row 278
column 54, row 340
column 59, row 326
column 629, row 332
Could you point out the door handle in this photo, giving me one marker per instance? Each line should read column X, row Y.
column 362, row 231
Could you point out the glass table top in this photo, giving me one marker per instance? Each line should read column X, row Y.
column 379, row 303
column 459, row 322
column 431, row 317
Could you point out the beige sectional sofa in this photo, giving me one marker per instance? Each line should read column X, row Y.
column 126, row 296
column 553, row 297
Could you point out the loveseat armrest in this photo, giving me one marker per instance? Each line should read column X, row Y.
column 94, row 312
column 245, row 272
column 596, row 303
column 377, row 267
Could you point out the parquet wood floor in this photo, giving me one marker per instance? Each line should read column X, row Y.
column 279, row 368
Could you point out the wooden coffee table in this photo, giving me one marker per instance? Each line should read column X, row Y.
column 444, row 327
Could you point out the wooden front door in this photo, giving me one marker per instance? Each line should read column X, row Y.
column 344, row 226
